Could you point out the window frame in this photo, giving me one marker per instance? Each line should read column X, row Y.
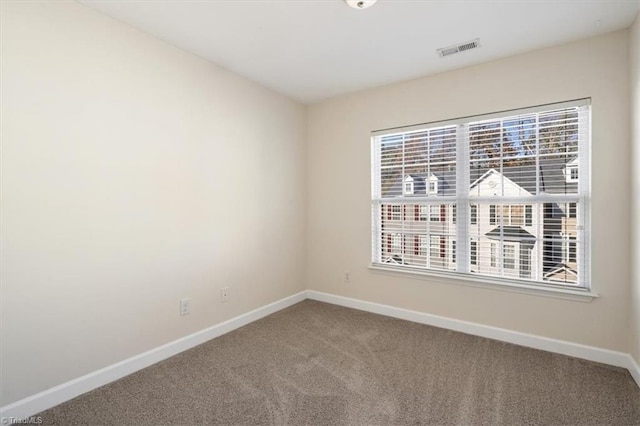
column 423, row 213
column 396, row 215
column 435, row 213
column 582, row 197
column 434, row 247
column 493, row 254
column 473, row 253
column 423, row 245
column 509, row 262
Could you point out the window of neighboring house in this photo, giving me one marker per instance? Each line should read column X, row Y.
column 509, row 256
column 509, row 215
column 572, row 173
column 396, row 213
column 433, row 187
column 434, row 213
column 453, row 251
column 474, row 214
column 434, row 243
column 474, row 252
column 526, row 154
column 397, row 244
column 494, row 254
column 422, row 244
column 408, row 188
column 515, row 214
column 424, row 213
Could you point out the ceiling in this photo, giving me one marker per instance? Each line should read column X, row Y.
column 311, row 50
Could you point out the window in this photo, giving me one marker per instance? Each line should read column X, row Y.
column 408, row 186
column 434, row 213
column 422, row 241
column 435, row 246
column 572, row 173
column 509, row 256
column 424, row 213
column 509, row 215
column 474, row 214
column 515, row 214
column 396, row 213
column 571, row 170
column 505, row 174
column 397, row 244
column 494, row 255
column 433, row 185
column 474, row 252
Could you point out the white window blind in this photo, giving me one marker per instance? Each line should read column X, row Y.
column 490, row 195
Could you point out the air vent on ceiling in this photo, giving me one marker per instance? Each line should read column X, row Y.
column 460, row 47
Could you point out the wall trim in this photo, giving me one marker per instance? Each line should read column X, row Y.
column 591, row 353
column 58, row 394
column 634, row 370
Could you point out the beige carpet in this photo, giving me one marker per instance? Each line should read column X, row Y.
column 320, row 364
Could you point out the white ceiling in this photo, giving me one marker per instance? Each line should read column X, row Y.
column 315, row 49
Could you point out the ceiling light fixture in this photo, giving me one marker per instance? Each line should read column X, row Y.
column 360, row 4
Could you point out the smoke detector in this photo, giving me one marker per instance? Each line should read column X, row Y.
column 360, row 4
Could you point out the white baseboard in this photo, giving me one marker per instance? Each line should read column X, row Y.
column 591, row 353
column 51, row 397
column 634, row 369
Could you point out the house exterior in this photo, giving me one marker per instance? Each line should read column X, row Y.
column 531, row 241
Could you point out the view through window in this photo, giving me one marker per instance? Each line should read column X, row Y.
column 502, row 195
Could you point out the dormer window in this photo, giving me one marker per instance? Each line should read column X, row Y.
column 433, row 185
column 573, row 174
column 571, row 171
column 408, row 186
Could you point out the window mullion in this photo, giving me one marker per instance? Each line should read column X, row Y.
column 462, row 193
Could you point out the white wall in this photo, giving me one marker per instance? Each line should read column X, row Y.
column 634, row 74
column 133, row 174
column 338, row 138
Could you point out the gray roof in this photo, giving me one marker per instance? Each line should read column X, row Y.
column 510, row 233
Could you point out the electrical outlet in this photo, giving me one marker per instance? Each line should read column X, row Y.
column 225, row 294
column 185, row 306
column 347, row 277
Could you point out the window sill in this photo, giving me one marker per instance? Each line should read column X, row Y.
column 580, row 295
